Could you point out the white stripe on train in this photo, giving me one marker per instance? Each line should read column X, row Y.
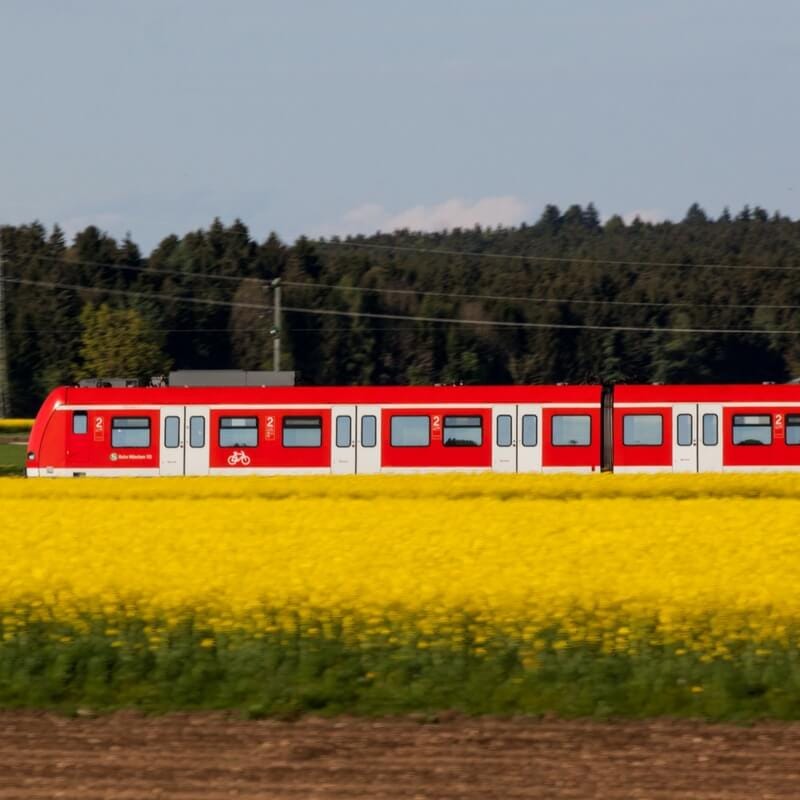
column 133, row 472
column 153, row 472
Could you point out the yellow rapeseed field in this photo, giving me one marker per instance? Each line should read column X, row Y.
column 7, row 423
column 701, row 562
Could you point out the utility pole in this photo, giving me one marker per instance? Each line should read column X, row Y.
column 276, row 326
column 5, row 401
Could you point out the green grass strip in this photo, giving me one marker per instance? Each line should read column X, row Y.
column 52, row 666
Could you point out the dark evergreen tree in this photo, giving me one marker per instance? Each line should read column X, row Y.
column 205, row 299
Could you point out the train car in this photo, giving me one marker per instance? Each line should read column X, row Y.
column 746, row 428
column 308, row 430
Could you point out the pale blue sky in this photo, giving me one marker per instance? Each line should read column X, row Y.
column 154, row 116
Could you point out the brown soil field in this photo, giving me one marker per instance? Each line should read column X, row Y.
column 213, row 756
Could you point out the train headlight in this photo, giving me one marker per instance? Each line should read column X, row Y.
column 31, row 456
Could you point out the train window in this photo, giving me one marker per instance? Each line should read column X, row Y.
column 752, row 429
column 570, row 430
column 642, row 430
column 504, row 430
column 343, row 426
column 80, row 422
column 463, row 432
column 410, row 431
column 684, row 430
column 793, row 429
column 530, row 430
column 369, row 431
column 172, row 432
column 710, row 430
column 130, row 432
column 302, row 432
column 197, row 431
column 238, row 431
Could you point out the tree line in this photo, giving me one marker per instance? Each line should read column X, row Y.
column 565, row 290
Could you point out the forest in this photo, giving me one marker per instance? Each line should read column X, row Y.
column 570, row 298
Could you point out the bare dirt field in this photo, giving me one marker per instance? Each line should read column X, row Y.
column 210, row 756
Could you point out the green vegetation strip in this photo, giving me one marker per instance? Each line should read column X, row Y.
column 12, row 459
column 113, row 666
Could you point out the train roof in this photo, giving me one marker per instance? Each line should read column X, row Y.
column 708, row 393
column 324, row 395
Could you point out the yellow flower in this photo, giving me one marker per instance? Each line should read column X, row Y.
column 702, row 563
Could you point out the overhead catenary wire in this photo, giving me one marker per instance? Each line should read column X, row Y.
column 143, row 268
column 534, row 257
column 560, row 300
column 349, row 242
column 133, row 293
column 406, row 317
column 449, row 252
column 534, row 325
column 147, row 270
column 229, row 329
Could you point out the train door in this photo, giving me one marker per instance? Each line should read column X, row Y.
column 504, row 438
column 343, row 448
column 709, row 438
column 197, row 440
column 529, row 445
column 172, row 438
column 368, row 440
column 684, row 438
column 82, row 432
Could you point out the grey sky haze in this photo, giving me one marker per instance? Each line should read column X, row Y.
column 316, row 117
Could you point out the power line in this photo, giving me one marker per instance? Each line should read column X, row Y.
column 383, row 328
column 425, row 293
column 146, row 269
column 507, row 256
column 406, row 317
column 554, row 259
column 485, row 254
column 541, row 325
column 133, row 293
column 517, row 299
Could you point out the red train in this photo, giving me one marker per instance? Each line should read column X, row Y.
column 294, row 430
